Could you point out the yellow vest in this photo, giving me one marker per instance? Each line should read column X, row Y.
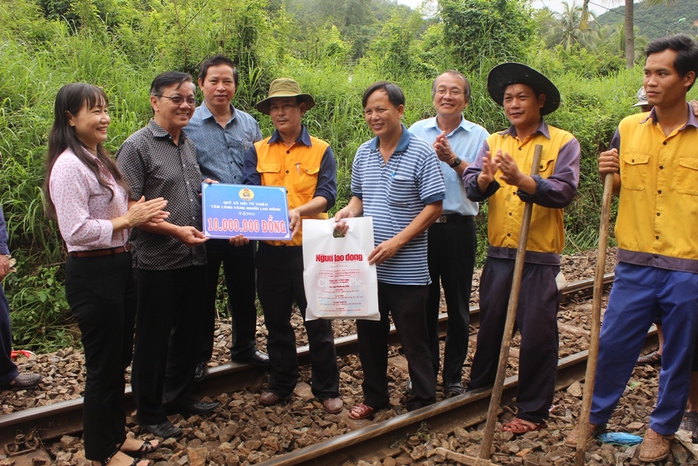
column 505, row 211
column 296, row 168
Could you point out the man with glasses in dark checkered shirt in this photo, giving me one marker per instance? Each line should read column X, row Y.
column 169, row 258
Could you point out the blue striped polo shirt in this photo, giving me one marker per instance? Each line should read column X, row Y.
column 394, row 194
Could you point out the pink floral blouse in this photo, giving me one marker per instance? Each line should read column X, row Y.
column 84, row 207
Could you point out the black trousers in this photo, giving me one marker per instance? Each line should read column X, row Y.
column 167, row 326
column 536, row 318
column 407, row 305
column 238, row 269
column 451, row 254
column 279, row 284
column 102, row 297
column 8, row 369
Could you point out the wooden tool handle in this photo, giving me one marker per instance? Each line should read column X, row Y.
column 590, row 376
column 498, row 387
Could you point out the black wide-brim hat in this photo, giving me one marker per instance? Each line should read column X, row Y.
column 510, row 73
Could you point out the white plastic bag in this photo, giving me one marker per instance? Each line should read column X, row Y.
column 339, row 283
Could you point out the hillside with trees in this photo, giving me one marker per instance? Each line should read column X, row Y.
column 654, row 21
column 333, row 49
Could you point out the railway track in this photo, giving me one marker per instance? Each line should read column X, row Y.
column 65, row 418
column 377, row 441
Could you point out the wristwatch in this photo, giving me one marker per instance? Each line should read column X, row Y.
column 456, row 162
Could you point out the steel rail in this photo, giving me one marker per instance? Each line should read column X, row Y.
column 65, row 417
column 373, row 443
column 377, row 441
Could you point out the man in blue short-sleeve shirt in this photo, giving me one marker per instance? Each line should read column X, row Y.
column 396, row 180
column 452, row 238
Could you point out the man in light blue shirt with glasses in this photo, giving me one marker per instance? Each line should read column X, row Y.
column 452, row 242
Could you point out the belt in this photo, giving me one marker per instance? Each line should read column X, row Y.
column 453, row 218
column 98, row 252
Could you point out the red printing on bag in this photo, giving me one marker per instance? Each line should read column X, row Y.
column 339, row 257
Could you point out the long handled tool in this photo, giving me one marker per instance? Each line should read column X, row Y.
column 496, row 398
column 590, row 377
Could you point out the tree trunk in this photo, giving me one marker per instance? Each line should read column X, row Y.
column 629, row 35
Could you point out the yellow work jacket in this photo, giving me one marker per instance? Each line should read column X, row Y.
column 297, row 168
column 658, row 203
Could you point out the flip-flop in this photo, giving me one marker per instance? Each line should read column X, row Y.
column 360, row 411
column 107, row 461
column 145, row 448
column 16, row 353
column 517, row 426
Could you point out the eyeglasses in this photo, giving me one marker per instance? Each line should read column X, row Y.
column 178, row 99
column 453, row 92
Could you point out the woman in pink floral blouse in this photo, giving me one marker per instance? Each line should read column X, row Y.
column 86, row 194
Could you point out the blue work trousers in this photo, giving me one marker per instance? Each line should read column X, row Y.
column 639, row 295
column 8, row 369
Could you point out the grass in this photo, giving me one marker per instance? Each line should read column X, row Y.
column 40, row 56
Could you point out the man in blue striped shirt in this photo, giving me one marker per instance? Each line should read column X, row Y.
column 222, row 135
column 396, row 179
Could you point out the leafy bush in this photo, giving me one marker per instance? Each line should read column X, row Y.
column 498, row 30
column 39, row 310
column 577, row 61
column 122, row 44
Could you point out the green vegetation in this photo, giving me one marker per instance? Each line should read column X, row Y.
column 334, row 50
column 654, row 21
column 626, row 32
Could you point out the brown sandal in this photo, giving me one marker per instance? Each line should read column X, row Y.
column 593, row 432
column 360, row 411
column 655, row 446
column 518, row 426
